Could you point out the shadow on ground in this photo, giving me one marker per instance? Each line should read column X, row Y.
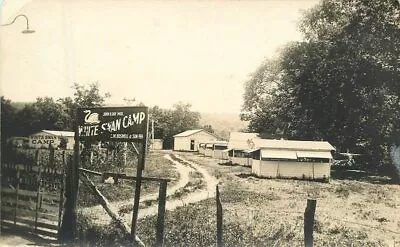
column 362, row 176
column 227, row 164
column 10, row 237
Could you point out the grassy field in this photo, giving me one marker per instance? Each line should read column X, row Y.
column 156, row 166
column 269, row 212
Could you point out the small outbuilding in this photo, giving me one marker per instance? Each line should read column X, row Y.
column 292, row 159
column 52, row 138
column 239, row 143
column 215, row 149
column 156, row 144
column 190, row 139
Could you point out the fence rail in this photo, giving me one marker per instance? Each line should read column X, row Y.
column 32, row 195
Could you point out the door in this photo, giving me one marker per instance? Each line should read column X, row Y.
column 192, row 145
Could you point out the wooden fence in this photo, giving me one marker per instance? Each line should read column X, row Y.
column 32, row 196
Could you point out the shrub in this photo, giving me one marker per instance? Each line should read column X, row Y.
column 90, row 234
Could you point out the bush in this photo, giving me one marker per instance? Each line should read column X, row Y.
column 90, row 234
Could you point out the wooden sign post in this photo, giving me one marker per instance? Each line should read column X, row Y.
column 136, row 201
column 121, row 124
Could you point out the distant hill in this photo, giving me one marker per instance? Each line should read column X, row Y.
column 223, row 123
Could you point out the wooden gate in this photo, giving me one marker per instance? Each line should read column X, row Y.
column 32, row 198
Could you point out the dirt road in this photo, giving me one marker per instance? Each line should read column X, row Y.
column 190, row 198
column 101, row 217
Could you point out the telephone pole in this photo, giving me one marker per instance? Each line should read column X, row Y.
column 152, row 134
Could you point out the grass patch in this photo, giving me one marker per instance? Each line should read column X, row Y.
column 90, row 234
column 156, row 166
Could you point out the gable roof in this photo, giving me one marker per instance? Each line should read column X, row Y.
column 241, row 140
column 192, row 132
column 293, row 145
column 58, row 133
column 187, row 133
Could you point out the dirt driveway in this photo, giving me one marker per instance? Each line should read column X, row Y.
column 184, row 167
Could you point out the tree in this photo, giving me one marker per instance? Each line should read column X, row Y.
column 208, row 128
column 8, row 119
column 168, row 123
column 45, row 113
column 341, row 84
column 89, row 96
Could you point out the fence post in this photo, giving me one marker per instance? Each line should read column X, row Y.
column 16, row 197
column 51, row 156
column 219, row 219
column 309, row 222
column 39, row 183
column 69, row 221
column 161, row 213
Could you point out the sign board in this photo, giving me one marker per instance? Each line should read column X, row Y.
column 113, row 123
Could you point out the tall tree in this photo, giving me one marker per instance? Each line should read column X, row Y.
column 169, row 122
column 341, row 84
column 8, row 119
column 84, row 96
column 45, row 113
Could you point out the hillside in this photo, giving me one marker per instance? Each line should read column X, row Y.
column 223, row 123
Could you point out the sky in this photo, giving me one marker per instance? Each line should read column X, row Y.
column 157, row 52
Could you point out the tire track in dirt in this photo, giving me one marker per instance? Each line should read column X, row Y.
column 183, row 180
column 193, row 197
column 101, row 217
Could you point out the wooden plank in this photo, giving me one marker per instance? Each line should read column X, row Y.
column 35, row 168
column 106, row 205
column 38, row 198
column 46, row 195
column 29, row 229
column 21, row 212
column 91, row 172
column 29, row 213
column 20, row 192
column 61, row 204
column 30, row 222
column 17, row 191
column 12, row 201
column 52, row 207
column 124, row 176
column 50, row 197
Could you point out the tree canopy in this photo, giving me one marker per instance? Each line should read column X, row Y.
column 169, row 122
column 47, row 113
column 341, row 84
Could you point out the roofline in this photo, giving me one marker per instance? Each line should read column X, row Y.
column 198, row 132
column 49, row 132
column 298, row 149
